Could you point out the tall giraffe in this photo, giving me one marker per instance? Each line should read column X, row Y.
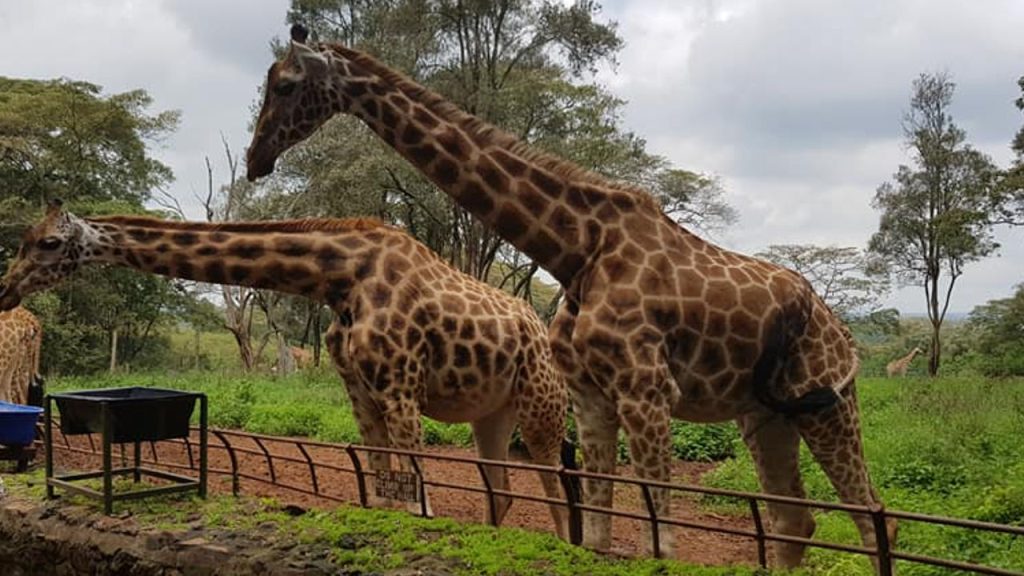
column 656, row 323
column 898, row 367
column 412, row 335
column 21, row 336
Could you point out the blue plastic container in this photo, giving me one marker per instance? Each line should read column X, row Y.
column 18, row 424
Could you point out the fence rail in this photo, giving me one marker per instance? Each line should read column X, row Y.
column 232, row 443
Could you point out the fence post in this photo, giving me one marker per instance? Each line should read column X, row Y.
column 655, row 536
column 423, row 487
column 270, row 461
column 491, row 504
column 762, row 552
column 570, row 486
column 312, row 467
column 235, row 488
column 360, row 480
column 881, row 539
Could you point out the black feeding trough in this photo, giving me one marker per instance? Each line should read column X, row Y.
column 126, row 416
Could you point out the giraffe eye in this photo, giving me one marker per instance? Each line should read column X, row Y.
column 49, row 243
column 284, row 88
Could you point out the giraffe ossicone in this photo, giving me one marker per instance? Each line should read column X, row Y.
column 412, row 335
column 656, row 323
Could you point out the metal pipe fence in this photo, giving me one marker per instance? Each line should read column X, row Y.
column 233, row 444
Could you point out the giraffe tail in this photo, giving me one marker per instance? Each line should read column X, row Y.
column 771, row 364
column 569, row 455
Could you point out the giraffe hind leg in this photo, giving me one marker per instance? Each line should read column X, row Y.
column 543, row 435
column 492, row 434
column 774, row 444
column 834, row 439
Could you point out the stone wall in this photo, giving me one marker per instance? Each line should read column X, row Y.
column 62, row 540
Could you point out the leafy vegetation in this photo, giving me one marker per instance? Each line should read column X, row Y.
column 947, row 447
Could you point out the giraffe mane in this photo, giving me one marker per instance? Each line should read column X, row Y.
column 256, row 226
column 566, row 169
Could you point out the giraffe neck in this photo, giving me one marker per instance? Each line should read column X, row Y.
column 319, row 259
column 549, row 209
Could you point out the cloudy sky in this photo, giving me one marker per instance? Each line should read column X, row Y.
column 794, row 104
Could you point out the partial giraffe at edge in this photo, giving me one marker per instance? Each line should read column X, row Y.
column 21, row 340
column 412, row 335
column 656, row 323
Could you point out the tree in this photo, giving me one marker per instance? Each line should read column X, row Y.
column 998, row 327
column 520, row 64
column 66, row 139
column 937, row 215
column 840, row 275
column 1010, row 209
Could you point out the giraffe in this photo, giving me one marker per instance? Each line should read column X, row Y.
column 21, row 337
column 656, row 323
column 300, row 356
column 411, row 335
column 898, row 367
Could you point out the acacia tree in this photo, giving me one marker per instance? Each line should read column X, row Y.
column 842, row 276
column 67, row 139
column 520, row 64
column 936, row 215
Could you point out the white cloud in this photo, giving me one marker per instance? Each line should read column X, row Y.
column 795, row 104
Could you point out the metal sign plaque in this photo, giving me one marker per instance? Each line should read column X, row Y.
column 398, row 485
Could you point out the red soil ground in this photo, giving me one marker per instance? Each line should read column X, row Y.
column 696, row 546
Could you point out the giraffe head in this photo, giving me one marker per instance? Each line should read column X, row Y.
column 50, row 251
column 300, row 96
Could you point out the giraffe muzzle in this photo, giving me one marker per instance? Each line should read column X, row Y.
column 258, row 166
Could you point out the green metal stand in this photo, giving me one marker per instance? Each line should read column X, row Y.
column 137, row 471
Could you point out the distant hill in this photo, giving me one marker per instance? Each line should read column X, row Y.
column 950, row 316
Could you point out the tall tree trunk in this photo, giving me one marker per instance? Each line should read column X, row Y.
column 316, row 338
column 113, row 350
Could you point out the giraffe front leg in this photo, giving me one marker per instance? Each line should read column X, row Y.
column 598, row 426
column 835, row 441
column 774, row 444
column 402, row 417
column 650, row 448
column 372, row 429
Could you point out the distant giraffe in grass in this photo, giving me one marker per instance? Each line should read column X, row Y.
column 899, row 366
column 412, row 334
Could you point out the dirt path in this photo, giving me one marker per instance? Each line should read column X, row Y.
column 696, row 546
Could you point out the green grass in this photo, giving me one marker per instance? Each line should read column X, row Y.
column 945, row 446
column 368, row 541
column 949, row 447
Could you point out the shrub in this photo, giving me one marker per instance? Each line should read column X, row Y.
column 704, row 442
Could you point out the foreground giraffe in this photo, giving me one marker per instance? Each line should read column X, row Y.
column 411, row 335
column 898, row 367
column 21, row 337
column 656, row 323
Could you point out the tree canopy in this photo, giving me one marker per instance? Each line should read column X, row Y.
column 840, row 275
column 66, row 139
column 937, row 214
